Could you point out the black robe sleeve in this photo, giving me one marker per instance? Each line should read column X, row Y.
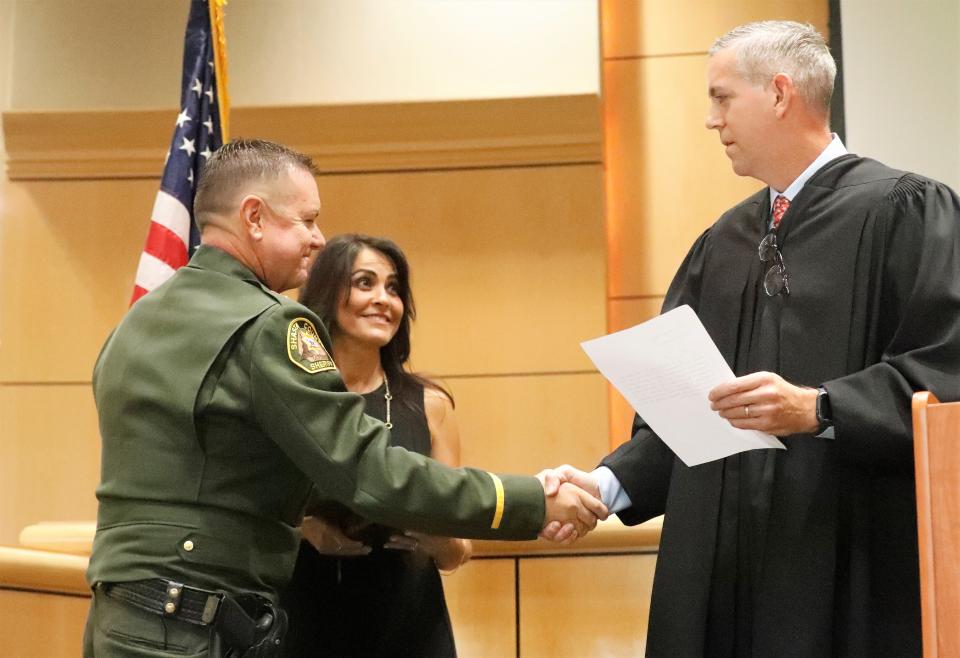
column 644, row 463
column 917, row 326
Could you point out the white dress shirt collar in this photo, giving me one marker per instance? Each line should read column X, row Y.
column 833, row 151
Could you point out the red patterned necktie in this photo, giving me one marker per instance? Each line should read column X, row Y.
column 780, row 205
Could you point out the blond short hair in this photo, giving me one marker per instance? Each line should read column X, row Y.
column 234, row 166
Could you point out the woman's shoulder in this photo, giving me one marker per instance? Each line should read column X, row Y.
column 438, row 404
column 436, row 398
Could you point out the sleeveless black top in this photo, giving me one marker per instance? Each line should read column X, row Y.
column 387, row 603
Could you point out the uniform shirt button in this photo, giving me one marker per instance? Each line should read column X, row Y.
column 188, row 545
column 170, row 607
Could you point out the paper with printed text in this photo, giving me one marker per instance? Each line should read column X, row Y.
column 665, row 368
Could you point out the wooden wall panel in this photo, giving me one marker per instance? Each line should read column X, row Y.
column 506, row 263
column 50, row 464
column 625, row 313
column 482, row 604
column 526, row 424
column 73, row 246
column 365, row 137
column 668, row 177
column 68, row 253
column 644, row 28
column 587, row 606
column 41, row 625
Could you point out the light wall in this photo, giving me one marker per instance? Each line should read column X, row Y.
column 6, row 57
column 902, row 83
column 117, row 53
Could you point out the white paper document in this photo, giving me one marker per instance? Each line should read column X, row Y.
column 665, row 368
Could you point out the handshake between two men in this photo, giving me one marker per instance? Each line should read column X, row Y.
column 573, row 504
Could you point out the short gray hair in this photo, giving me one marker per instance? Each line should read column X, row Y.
column 236, row 164
column 766, row 48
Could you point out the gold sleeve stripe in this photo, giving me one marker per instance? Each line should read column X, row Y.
column 498, row 514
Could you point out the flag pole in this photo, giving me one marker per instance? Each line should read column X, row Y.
column 219, row 38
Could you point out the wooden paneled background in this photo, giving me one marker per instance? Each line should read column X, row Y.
column 531, row 225
column 667, row 178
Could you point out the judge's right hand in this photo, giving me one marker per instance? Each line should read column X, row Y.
column 569, row 507
column 329, row 539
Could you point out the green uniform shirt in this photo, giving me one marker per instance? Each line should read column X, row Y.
column 220, row 409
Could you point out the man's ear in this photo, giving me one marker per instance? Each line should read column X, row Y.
column 251, row 213
column 784, row 92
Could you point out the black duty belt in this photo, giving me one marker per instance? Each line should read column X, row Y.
column 242, row 621
column 168, row 598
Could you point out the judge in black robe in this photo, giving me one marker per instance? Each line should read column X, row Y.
column 810, row 551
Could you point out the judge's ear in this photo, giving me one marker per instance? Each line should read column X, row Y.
column 784, row 93
column 251, row 214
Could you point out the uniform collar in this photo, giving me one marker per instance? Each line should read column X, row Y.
column 210, row 258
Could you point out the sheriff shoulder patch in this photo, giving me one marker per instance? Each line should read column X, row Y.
column 305, row 349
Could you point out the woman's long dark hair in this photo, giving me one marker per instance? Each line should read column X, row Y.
column 330, row 281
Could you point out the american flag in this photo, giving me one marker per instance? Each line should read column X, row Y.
column 200, row 130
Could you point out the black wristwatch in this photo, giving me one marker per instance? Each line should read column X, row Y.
column 824, row 410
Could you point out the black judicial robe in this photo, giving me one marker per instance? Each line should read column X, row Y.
column 810, row 551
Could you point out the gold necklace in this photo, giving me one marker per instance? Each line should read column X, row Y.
column 387, row 397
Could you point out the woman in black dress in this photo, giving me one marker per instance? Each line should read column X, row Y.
column 360, row 589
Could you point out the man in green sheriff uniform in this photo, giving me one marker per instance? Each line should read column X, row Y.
column 220, row 409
